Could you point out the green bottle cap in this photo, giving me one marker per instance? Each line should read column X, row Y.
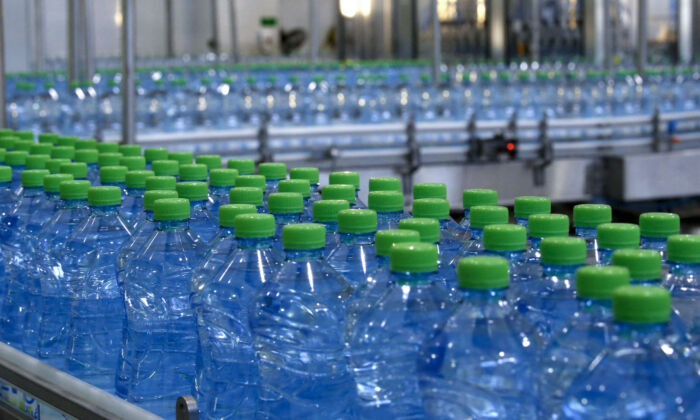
column 436, row 208
column 327, row 210
column 155, row 153
column 24, row 145
column 246, row 195
column 40, row 149
column 2, row 155
column 357, row 221
column 643, row 264
column 618, row 236
column 104, row 196
column 134, row 163
column 253, row 225
column 16, row 158
column 86, row 155
column 107, row 147
column 193, row 172
column 109, row 159
column 345, row 178
column 429, row 229
column 33, row 177
column 6, row 174
column 505, row 237
column 171, row 209
column 77, row 169
column 384, row 184
column 165, row 167
column 599, row 282
column 113, row 174
column 563, row 250
column 54, row 165
column 482, row 272
column 339, row 192
column 479, row 197
column 285, row 202
column 482, row 216
column 228, row 213
column 526, row 206
column 641, row 304
column 74, row 190
column 222, row 177
column 182, row 158
column 50, row 138
column 273, row 170
column 303, row 236
column 131, row 150
column 63, row 152
column 37, row 161
column 414, row 257
column 8, row 143
column 386, row 239
column 67, row 141
column 255, row 181
column 150, row 197
column 299, row 186
column 592, row 215
column 385, row 201
column 546, row 225
column 310, row 174
column 659, row 225
column 429, row 190
column 160, row 183
column 683, row 249
column 244, row 166
column 137, row 179
column 192, row 190
column 210, row 161
column 52, row 182
column 83, row 144
column 25, row 134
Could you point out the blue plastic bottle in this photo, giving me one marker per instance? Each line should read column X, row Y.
column 614, row 236
column 638, row 374
column 114, row 176
column 526, row 206
column 132, row 206
column 389, row 208
column 201, row 221
column 348, row 178
column 482, row 364
column 16, row 160
column 220, row 183
column 355, row 257
column 437, row 208
column 542, row 226
column 479, row 218
column 248, row 195
column 644, row 265
column 299, row 186
column 89, row 157
column 326, row 213
column 308, row 377
column 655, row 228
column 437, row 190
column 683, row 282
column 273, row 172
column 573, row 348
column 472, row 198
column 227, row 372
column 161, row 342
column 509, row 241
column 287, row 208
column 310, row 174
column 587, row 217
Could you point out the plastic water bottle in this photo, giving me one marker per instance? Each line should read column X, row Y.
column 302, row 187
column 525, row 206
column 193, row 172
column 210, row 161
column 49, row 204
column 248, row 195
column 228, row 368
column 644, row 265
column 309, row 378
column 151, row 154
column 160, row 346
column 683, row 255
column 340, row 192
column 114, row 176
column 18, row 229
column 510, row 241
column 438, row 208
column 273, row 172
column 326, row 213
column 542, row 226
column 166, row 168
column 388, row 183
column 614, row 236
column 655, row 228
column 8, row 199
column 468, row 370
column 384, row 342
column 89, row 261
column 550, row 301
column 287, row 208
column 132, row 206
column 640, row 346
column 472, row 198
column 220, row 183
column 243, row 166
column 201, row 221
column 355, row 256
column 572, row 349
column 133, row 163
column 389, row 208
column 77, row 169
column 348, row 178
column 587, row 218
column 89, row 157
column 479, row 218
column 16, row 160
column 310, row 174
column 55, row 296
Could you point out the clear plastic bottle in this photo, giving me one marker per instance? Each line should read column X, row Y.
column 472, row 198
column 287, row 208
column 587, row 218
column 479, row 218
column 312, row 175
column 389, row 208
column 16, row 160
column 468, row 371
column 114, row 176
column 308, row 376
column 355, row 256
column 273, row 172
column 302, row 187
column 248, row 195
column 152, row 154
column 655, row 228
column 49, row 205
column 326, row 213
column 8, row 199
column 526, row 206
column 132, row 205
column 227, row 374
column 201, row 221
column 439, row 208
column 348, row 178
column 89, row 157
column 220, row 183
column 683, row 254
column 614, row 236
column 509, row 241
column 542, row 226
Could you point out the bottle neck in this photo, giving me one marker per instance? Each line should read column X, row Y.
column 254, row 243
column 466, row 214
column 412, row 279
column 509, row 255
column 330, row 226
column 50, row 195
column 197, row 204
column 74, row 203
column 32, row 191
column 303, row 254
column 586, row 232
column 149, row 215
column 477, row 233
column 684, row 268
column 5, row 185
column 594, row 304
column 638, row 331
column 104, row 210
column 394, row 214
column 383, row 261
column 115, row 184
column 226, row 231
column 357, row 238
column 522, row 221
column 135, row 191
column 172, row 225
column 482, row 296
column 286, row 218
column 644, row 282
column 219, row 189
column 560, row 270
column 648, row 242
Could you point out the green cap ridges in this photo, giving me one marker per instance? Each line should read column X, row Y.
column 49, row 138
column 246, row 195
column 385, row 201
column 562, row 250
column 150, row 197
column 429, row 190
column 303, row 236
column 222, row 177
column 40, row 149
column 171, row 209
column 104, row 195
column 2, row 155
column 526, row 206
column 210, row 161
column 192, row 190
column 108, row 159
column 67, row 141
column 327, row 210
column 389, row 183
column 428, row 229
column 54, row 165
column 107, row 147
column 181, row 157
column 482, row 272
column 386, row 239
column 414, row 257
column 437, row 208
column 505, row 238
column 643, row 264
column 16, row 158
column 77, row 169
column 285, row 202
column 6, row 174
column 74, row 190
column 37, row 161
column 300, row 186
column 155, row 153
column 255, row 225
column 344, row 177
column 599, row 282
column 659, row 225
column 165, row 167
column 33, row 177
column 479, row 197
column 130, row 150
column 113, row 174
column 63, row 152
column 52, row 182
column 137, row 179
column 683, row 249
column 618, row 236
column 83, row 144
column 8, row 143
column 193, row 172
column 641, row 304
column 592, row 215
column 357, row 221
column 160, row 183
column 244, row 166
column 482, row 216
column 256, row 181
column 86, row 155
column 273, row 170
column 308, row 173
column 228, row 213
column 25, row 135
column 24, row 145
column 546, row 225
column 133, row 163
column 339, row 192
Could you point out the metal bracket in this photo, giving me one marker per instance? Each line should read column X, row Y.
column 264, row 151
column 472, row 140
column 186, row 408
column 413, row 159
column 657, row 141
column 545, row 153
